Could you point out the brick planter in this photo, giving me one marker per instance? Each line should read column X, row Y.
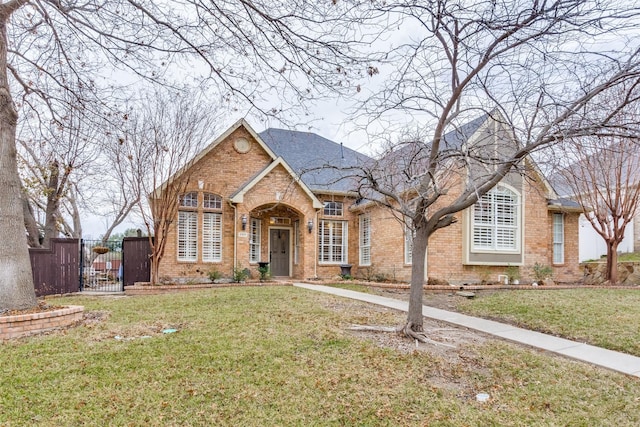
column 28, row 324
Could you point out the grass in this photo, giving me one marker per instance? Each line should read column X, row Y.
column 623, row 257
column 281, row 356
column 607, row 318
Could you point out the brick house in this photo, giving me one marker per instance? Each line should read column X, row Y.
column 264, row 197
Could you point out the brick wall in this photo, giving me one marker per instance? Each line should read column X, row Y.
column 33, row 323
column 224, row 171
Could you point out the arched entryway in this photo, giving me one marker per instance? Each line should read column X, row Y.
column 276, row 236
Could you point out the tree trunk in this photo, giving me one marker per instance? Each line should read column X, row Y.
column 16, row 280
column 155, row 268
column 415, row 319
column 612, row 263
column 33, row 232
column 53, row 205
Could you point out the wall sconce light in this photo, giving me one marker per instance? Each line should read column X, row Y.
column 310, row 226
column 244, row 221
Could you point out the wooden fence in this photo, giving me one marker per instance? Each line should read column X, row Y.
column 56, row 269
column 135, row 261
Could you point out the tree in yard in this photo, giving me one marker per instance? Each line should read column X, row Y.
column 53, row 159
column 604, row 178
column 532, row 67
column 252, row 53
column 160, row 140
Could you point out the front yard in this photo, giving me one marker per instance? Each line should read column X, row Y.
column 285, row 356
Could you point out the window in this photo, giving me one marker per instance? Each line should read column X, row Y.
column 212, row 237
column 332, row 240
column 212, row 201
column 408, row 243
column 558, row 238
column 255, row 240
column 365, row 239
column 296, row 242
column 187, row 236
column 496, row 221
column 333, row 208
column 189, row 200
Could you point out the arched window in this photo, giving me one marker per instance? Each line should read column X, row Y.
column 496, row 221
column 212, row 201
column 189, row 200
column 188, row 227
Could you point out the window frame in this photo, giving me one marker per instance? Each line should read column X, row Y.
column 558, row 239
column 328, row 247
column 364, row 240
column 408, row 244
column 255, row 240
column 188, row 200
column 187, row 236
column 209, row 199
column 212, row 239
column 496, row 218
column 333, row 208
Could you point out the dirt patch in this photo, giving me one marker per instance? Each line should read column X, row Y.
column 41, row 307
column 446, row 340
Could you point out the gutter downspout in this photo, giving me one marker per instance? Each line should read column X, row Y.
column 315, row 249
column 235, row 236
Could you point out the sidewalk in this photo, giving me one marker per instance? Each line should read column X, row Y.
column 616, row 361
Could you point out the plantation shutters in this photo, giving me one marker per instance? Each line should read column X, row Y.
column 558, row 238
column 187, row 236
column 496, row 221
column 211, row 237
column 332, row 241
column 255, row 240
column 365, row 239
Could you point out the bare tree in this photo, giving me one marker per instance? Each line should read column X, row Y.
column 53, row 158
column 605, row 180
column 246, row 49
column 532, row 67
column 154, row 155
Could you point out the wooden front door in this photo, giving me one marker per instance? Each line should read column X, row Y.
column 279, row 252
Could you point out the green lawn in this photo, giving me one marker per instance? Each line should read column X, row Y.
column 280, row 356
column 602, row 317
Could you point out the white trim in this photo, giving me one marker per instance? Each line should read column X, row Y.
column 191, row 215
column 239, row 196
column 518, row 224
column 364, row 240
column 344, row 244
column 561, row 243
column 252, row 244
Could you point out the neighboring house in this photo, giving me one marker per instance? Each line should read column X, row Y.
column 605, row 172
column 248, row 200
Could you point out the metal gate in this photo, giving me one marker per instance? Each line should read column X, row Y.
column 101, row 266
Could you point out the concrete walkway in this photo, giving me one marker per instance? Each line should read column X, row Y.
column 616, row 361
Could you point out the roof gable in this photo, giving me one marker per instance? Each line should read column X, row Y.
column 317, row 160
column 238, row 196
column 238, row 124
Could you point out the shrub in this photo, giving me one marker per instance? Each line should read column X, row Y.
column 541, row 271
column 240, row 274
column 214, row 275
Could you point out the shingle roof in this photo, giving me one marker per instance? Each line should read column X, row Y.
column 316, row 159
column 456, row 138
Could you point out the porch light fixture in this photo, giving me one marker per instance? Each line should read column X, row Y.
column 244, row 221
column 310, row 225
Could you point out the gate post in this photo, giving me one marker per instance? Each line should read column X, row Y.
column 81, row 265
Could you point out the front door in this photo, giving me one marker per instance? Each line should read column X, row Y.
column 279, row 252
